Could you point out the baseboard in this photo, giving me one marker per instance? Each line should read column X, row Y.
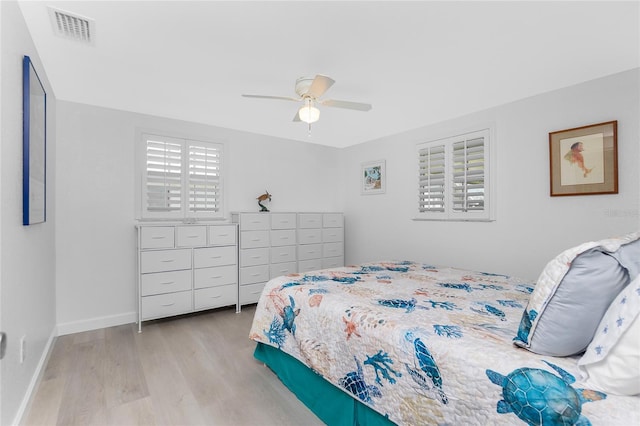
column 96, row 323
column 35, row 380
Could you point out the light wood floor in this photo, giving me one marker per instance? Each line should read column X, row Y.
column 193, row 370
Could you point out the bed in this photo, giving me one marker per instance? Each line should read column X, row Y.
column 401, row 342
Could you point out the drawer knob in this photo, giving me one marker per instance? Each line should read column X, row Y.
column 167, row 260
column 215, row 297
column 216, row 277
column 216, row 257
column 168, row 304
column 158, row 238
column 167, row 283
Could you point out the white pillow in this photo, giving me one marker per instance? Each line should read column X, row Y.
column 611, row 363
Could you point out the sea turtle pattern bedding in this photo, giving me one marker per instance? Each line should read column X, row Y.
column 423, row 344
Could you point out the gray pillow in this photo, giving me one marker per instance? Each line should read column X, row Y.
column 569, row 321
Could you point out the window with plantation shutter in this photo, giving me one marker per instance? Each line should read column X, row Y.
column 205, row 163
column 163, row 176
column 180, row 178
column 454, row 178
column 432, row 188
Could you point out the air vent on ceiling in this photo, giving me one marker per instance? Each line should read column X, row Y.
column 72, row 26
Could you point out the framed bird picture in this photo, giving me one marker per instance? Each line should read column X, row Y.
column 584, row 160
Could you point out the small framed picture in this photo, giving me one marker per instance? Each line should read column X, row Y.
column 584, row 160
column 374, row 177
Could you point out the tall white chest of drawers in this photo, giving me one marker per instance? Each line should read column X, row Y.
column 274, row 244
column 186, row 268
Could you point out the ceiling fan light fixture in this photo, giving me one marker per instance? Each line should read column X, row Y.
column 308, row 113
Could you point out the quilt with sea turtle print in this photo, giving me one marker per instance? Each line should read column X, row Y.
column 423, row 344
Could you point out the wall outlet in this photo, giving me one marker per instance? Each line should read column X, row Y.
column 23, row 349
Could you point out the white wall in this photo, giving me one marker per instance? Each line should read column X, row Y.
column 96, row 240
column 27, row 257
column 531, row 227
column 95, row 226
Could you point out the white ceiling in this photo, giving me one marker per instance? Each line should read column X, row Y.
column 417, row 62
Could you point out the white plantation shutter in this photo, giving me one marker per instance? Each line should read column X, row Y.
column 454, row 178
column 432, row 179
column 468, row 175
column 181, row 179
column 205, row 165
column 163, row 176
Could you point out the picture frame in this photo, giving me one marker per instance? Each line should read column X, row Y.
column 584, row 160
column 373, row 176
column 34, row 146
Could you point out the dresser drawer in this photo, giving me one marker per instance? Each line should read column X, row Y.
column 310, row 251
column 191, row 236
column 254, row 239
column 333, row 262
column 156, row 237
column 217, row 276
column 215, row 297
column 332, row 220
column 222, row 235
column 309, row 265
column 310, row 220
column 253, row 257
column 283, row 237
column 165, row 260
column 165, row 305
column 332, row 235
column 254, row 274
column 332, row 249
column 309, row 236
column 279, row 269
column 254, row 221
column 283, row 220
column 250, row 293
column 283, row 254
column 214, row 256
column 165, row 282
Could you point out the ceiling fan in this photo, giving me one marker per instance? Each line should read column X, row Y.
column 309, row 90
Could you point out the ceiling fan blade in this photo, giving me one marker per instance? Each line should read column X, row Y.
column 358, row 106
column 284, row 98
column 319, row 85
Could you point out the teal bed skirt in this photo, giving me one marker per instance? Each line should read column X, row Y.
column 332, row 405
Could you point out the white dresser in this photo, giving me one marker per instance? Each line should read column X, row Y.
column 320, row 241
column 186, row 268
column 275, row 244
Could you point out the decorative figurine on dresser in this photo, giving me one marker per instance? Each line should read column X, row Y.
column 264, row 197
column 185, row 268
